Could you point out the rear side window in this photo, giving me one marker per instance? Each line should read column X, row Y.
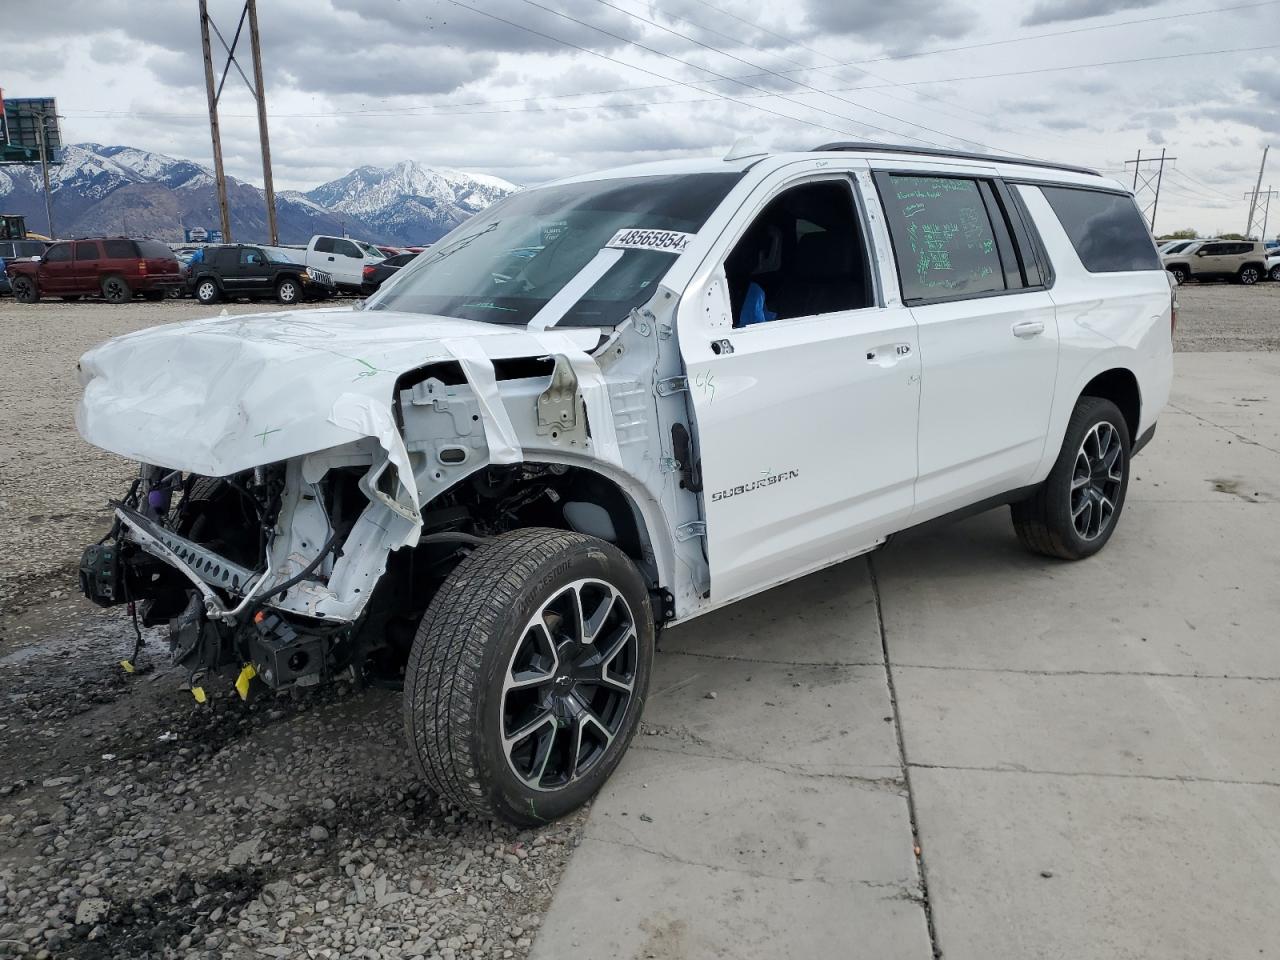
column 154, row 249
column 324, row 245
column 1106, row 229
column 119, row 249
column 945, row 240
column 87, row 250
column 59, row 253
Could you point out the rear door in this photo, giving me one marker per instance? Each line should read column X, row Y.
column 346, row 262
column 86, row 275
column 988, row 334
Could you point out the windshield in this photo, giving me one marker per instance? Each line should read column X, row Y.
column 369, row 249
column 504, row 264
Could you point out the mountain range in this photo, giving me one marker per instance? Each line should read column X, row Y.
column 108, row 190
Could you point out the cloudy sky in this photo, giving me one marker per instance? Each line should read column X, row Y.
column 534, row 89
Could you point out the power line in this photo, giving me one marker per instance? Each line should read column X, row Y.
column 714, row 73
column 806, row 86
column 605, row 56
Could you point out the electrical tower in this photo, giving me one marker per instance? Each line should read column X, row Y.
column 256, row 89
column 1260, row 210
column 1146, row 184
column 1253, row 222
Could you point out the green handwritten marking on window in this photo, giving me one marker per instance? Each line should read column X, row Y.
column 987, row 246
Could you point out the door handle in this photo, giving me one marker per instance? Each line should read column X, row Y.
column 1026, row 329
column 331, row 259
column 889, row 354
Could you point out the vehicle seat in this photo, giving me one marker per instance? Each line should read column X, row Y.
column 825, row 276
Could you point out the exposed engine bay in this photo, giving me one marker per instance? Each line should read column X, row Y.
column 323, row 561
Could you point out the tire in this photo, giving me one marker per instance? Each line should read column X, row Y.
column 1275, row 273
column 1180, row 274
column 288, row 291
column 1249, row 275
column 155, row 296
column 480, row 634
column 207, row 291
column 71, row 297
column 116, row 290
column 1067, row 517
column 24, row 290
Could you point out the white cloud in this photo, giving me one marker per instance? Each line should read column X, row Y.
column 352, row 82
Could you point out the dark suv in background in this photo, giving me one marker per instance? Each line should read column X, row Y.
column 115, row 267
column 17, row 250
column 238, row 270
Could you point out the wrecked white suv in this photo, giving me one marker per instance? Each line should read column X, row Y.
column 620, row 401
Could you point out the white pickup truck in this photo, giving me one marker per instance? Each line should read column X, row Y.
column 342, row 258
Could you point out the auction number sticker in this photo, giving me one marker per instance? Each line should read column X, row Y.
column 664, row 241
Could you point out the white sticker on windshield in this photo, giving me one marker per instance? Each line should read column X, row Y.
column 664, row 241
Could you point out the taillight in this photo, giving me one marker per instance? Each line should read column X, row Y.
column 367, row 272
column 1173, row 311
column 142, row 268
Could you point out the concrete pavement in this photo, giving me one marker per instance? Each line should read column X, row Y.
column 1091, row 749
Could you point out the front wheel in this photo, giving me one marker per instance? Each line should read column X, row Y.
column 287, row 291
column 1275, row 273
column 528, row 675
column 1075, row 510
column 1179, row 274
column 24, row 290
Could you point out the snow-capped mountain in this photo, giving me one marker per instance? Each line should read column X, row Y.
column 117, row 189
column 399, row 202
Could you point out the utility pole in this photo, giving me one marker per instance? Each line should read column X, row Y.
column 1151, row 178
column 250, row 12
column 218, row 173
column 1260, row 210
column 268, row 189
column 1253, row 203
column 42, row 119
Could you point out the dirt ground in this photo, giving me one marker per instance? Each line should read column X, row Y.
column 136, row 823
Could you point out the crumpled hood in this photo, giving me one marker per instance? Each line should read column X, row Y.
column 224, row 394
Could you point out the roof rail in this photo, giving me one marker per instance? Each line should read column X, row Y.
column 871, row 146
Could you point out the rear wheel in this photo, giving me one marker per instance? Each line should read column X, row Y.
column 115, row 290
column 528, row 675
column 1077, row 507
column 24, row 290
column 207, row 291
column 288, row 291
column 1249, row 275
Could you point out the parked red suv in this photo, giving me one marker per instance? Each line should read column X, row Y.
column 115, row 267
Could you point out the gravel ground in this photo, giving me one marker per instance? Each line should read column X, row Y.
column 135, row 823
column 1214, row 317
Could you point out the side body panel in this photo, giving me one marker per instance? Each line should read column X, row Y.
column 1105, row 321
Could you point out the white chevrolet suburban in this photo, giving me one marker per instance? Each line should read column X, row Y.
column 620, row 401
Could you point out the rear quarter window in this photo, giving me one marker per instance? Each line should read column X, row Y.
column 1106, row 229
column 155, row 249
column 118, row 249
